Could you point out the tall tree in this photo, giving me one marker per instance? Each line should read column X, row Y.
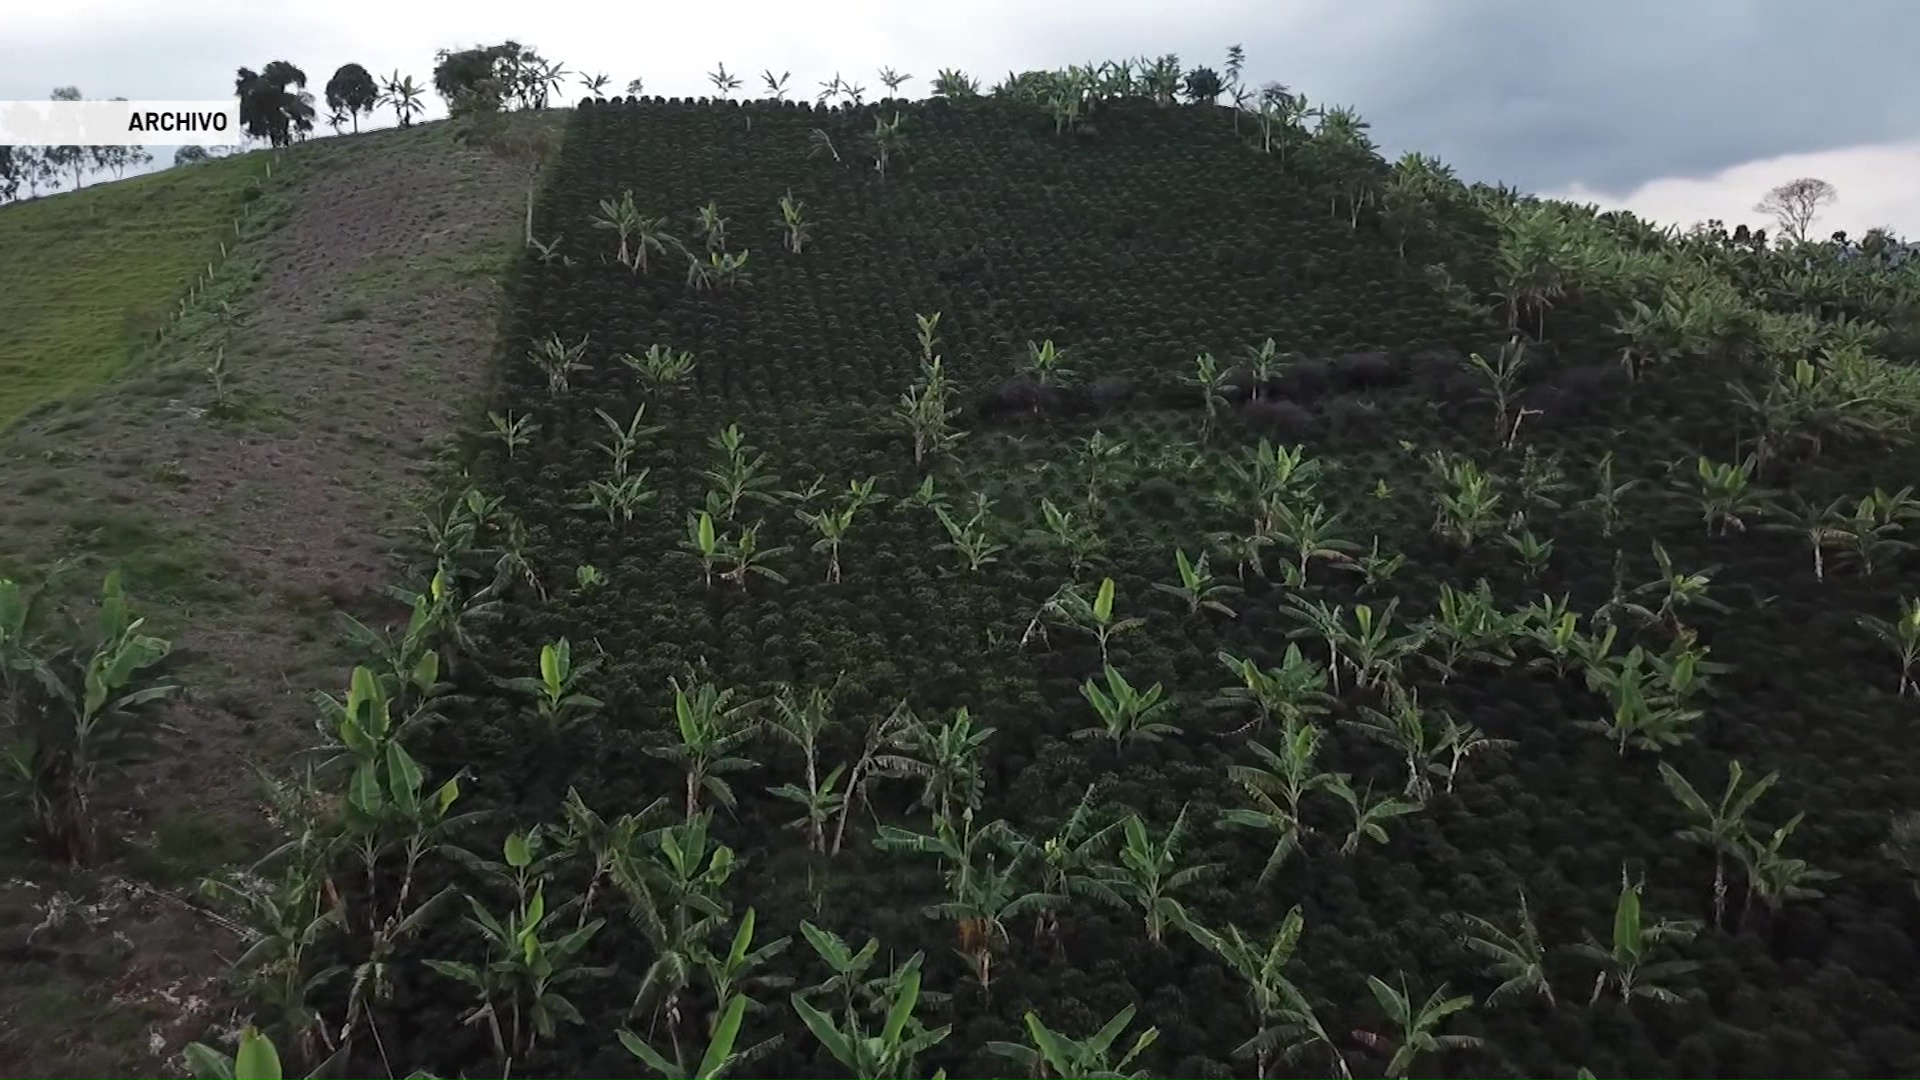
column 1796, row 203
column 63, row 159
column 353, row 91
column 274, row 104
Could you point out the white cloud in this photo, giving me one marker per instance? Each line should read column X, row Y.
column 1877, row 185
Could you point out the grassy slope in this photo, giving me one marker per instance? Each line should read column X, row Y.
column 360, row 296
column 95, row 271
column 1134, row 250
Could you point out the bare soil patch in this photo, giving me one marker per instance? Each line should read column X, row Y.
column 368, row 331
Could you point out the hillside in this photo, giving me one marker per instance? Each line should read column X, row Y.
column 354, row 317
column 1128, row 567
column 93, row 275
column 1445, row 768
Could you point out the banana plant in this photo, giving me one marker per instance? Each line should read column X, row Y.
column 1626, row 962
column 1466, row 503
column 78, row 708
column 1374, row 567
column 1277, row 786
column 660, row 368
column 1127, row 715
column 1416, row 1028
column 673, row 887
column 1726, row 494
column 1071, row 865
column 833, row 524
column 747, row 557
column 801, row 721
column 1048, row 1053
column 892, row 1050
column 1870, row 531
column 1198, row 588
column 944, row 757
column 983, row 895
column 890, row 732
column 1902, row 635
column 793, row 219
column 254, row 1059
column 621, row 497
column 622, row 218
column 1515, row 957
column 712, row 226
column 558, row 361
column 709, row 728
column 741, row 474
column 1676, row 591
column 1642, row 711
column 1095, row 617
column 1074, row 537
column 1292, row 693
column 1502, row 376
column 1274, row 476
column 1098, row 455
column 703, row 543
column 529, row 963
column 557, row 699
column 1461, row 741
column 1821, row 528
column 742, row 968
column 1554, row 628
column 513, row 431
column 717, row 1060
column 625, row 439
column 1774, row 877
column 1372, row 649
column 1718, row 826
column 1533, row 552
column 1408, row 730
column 1287, row 1026
column 1469, row 627
column 1211, row 382
column 888, row 138
column 1151, row 874
column 1312, row 533
column 1047, row 364
column 1370, row 815
column 1605, row 503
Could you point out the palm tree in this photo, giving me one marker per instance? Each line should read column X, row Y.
column 1416, row 1027
column 1721, row 826
column 1150, row 873
column 709, row 731
column 406, row 97
column 595, row 84
column 1052, row 1054
column 1277, row 790
column 1516, row 958
column 1287, row 1026
column 893, row 80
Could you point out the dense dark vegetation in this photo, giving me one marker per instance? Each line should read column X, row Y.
column 847, row 451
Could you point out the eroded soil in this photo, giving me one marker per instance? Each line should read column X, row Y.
column 367, row 335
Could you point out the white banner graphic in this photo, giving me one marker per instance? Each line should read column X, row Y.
column 120, row 123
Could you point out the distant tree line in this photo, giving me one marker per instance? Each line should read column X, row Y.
column 26, row 171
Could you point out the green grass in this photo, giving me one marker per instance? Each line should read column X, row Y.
column 94, row 271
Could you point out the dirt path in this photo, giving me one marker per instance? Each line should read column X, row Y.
column 367, row 334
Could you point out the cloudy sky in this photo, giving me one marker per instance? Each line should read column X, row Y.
column 1678, row 109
